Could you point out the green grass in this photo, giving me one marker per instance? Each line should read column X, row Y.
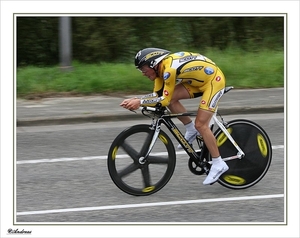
column 263, row 69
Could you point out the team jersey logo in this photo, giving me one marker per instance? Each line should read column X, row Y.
column 166, row 92
column 151, row 100
column 218, row 78
column 166, row 75
column 150, row 95
column 208, row 70
column 193, row 69
column 187, row 58
column 215, row 100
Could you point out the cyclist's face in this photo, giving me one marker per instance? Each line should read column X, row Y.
column 148, row 72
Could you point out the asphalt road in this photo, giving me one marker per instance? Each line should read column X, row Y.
column 62, row 178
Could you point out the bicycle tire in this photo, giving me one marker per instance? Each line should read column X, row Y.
column 254, row 141
column 136, row 178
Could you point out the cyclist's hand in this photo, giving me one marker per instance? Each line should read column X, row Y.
column 131, row 104
column 125, row 102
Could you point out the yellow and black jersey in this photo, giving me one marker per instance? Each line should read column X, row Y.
column 193, row 70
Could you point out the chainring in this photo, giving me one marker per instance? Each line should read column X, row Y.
column 194, row 168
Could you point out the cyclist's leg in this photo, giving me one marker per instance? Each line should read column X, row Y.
column 202, row 125
column 212, row 92
column 184, row 91
column 180, row 92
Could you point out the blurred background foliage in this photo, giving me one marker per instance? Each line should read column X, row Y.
column 117, row 39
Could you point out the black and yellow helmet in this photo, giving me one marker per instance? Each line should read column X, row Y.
column 150, row 57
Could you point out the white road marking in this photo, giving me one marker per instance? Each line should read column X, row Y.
column 83, row 158
column 275, row 147
column 100, row 157
column 126, row 206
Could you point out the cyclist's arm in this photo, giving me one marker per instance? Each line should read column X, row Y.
column 169, row 77
column 154, row 98
column 150, row 100
column 163, row 90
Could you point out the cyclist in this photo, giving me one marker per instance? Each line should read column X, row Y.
column 184, row 75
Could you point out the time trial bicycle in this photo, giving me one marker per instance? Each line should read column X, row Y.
column 141, row 159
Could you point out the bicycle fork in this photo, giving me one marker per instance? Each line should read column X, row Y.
column 156, row 127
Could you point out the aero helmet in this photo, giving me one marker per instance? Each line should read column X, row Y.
column 150, row 57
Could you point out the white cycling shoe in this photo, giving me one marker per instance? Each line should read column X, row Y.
column 190, row 136
column 217, row 169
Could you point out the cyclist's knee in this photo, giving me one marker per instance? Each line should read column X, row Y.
column 201, row 126
column 202, row 120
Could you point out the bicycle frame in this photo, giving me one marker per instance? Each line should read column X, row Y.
column 240, row 153
column 145, row 146
column 198, row 159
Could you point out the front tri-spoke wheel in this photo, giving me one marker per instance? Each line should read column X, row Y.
column 134, row 173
